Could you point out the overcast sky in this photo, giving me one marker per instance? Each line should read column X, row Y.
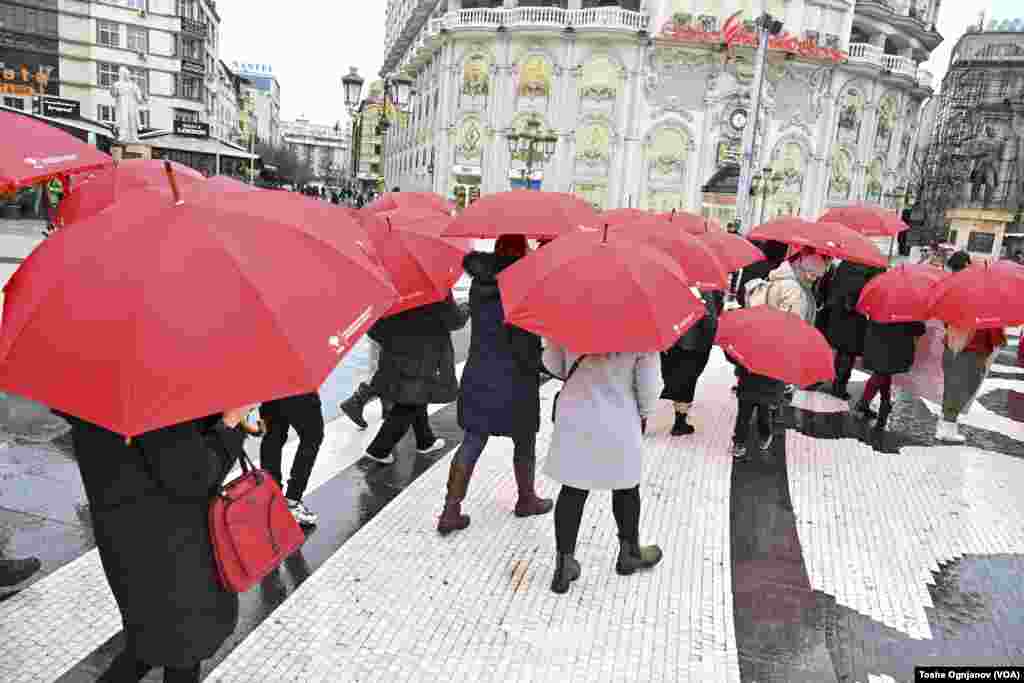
column 311, row 43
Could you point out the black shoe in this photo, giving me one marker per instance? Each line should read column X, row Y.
column 738, row 451
column 863, row 409
column 633, row 556
column 884, row 410
column 354, row 404
column 567, row 570
column 13, row 572
column 681, row 427
column 765, row 442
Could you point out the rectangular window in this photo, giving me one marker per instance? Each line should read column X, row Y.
column 138, row 39
column 191, row 48
column 189, row 87
column 108, row 34
column 106, row 113
column 187, row 115
column 106, row 74
column 144, row 119
column 15, row 102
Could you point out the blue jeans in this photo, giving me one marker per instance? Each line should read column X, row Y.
column 473, row 445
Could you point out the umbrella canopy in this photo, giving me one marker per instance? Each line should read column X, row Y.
column 158, row 311
column 870, row 221
column 899, row 295
column 594, row 295
column 415, row 201
column 102, row 188
column 980, row 296
column 700, row 264
column 774, row 343
column 733, row 251
column 613, row 216
column 537, row 215
column 830, row 239
column 690, row 222
column 34, row 151
column 422, row 265
column 227, row 184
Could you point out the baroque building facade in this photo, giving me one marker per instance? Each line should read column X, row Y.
column 649, row 107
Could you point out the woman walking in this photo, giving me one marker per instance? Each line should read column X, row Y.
column 598, row 444
column 417, row 368
column 684, row 362
column 846, row 327
column 888, row 350
column 500, row 394
column 150, row 503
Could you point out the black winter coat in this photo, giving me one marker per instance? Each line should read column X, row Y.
column 500, row 393
column 150, row 504
column 687, row 357
column 889, row 348
column 846, row 327
column 417, row 360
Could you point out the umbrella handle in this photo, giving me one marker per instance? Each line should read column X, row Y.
column 174, row 183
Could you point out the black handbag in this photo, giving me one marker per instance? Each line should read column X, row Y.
column 554, row 403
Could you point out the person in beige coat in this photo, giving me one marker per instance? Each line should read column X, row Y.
column 598, row 444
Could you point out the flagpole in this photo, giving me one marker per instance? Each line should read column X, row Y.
column 743, row 203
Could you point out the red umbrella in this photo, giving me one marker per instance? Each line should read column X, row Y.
column 414, row 201
column 700, row 264
column 980, row 297
column 732, row 251
column 613, row 216
column 102, row 188
column 422, row 265
column 34, row 151
column 902, row 294
column 774, row 343
column 830, row 239
column 870, row 221
column 537, row 215
column 154, row 312
column 599, row 294
column 690, row 222
column 226, row 184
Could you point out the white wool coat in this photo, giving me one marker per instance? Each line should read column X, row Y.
column 597, row 444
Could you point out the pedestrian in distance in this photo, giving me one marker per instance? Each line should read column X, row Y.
column 500, row 392
column 304, row 413
column 417, row 368
column 597, row 444
column 966, row 359
column 846, row 327
column 683, row 363
column 149, row 499
column 888, row 350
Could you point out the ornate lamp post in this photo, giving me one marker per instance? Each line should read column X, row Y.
column 397, row 93
column 767, row 184
column 535, row 146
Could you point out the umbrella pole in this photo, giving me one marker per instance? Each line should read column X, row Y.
column 174, row 183
column 892, row 243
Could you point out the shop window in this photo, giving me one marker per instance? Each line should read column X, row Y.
column 108, row 34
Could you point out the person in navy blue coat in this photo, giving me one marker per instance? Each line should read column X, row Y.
column 500, row 392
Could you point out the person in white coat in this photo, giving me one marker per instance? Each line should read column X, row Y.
column 597, row 443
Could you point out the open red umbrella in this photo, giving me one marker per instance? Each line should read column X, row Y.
column 774, row 343
column 227, row 184
column 902, row 294
column 537, row 215
column 33, row 151
column 412, row 201
column 613, row 216
column 701, row 266
column 103, row 187
column 422, row 265
column 154, row 312
column 870, row 221
column 732, row 251
column 690, row 222
column 979, row 297
column 830, row 239
column 597, row 293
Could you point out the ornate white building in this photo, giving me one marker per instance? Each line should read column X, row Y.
column 647, row 105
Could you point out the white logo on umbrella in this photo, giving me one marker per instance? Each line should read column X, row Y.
column 39, row 164
column 339, row 343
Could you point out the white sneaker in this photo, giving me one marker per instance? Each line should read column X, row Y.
column 436, row 446
column 948, row 432
column 302, row 514
column 954, row 433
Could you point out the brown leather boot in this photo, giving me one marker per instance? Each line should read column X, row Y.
column 452, row 518
column 529, row 502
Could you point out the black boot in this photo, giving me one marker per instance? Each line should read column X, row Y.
column 633, row 556
column 681, row 427
column 452, row 518
column 567, row 570
column 354, row 404
column 844, row 370
column 13, row 572
column 884, row 410
column 863, row 409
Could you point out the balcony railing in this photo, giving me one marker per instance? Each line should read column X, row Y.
column 613, row 18
column 901, row 66
column 866, row 53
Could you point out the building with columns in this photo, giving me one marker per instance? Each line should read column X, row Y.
column 324, row 148
column 649, row 108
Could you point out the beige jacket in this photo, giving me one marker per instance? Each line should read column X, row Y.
column 787, row 294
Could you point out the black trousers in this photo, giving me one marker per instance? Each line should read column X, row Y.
column 569, row 513
column 397, row 423
column 127, row 669
column 746, row 414
column 302, row 412
column 844, row 362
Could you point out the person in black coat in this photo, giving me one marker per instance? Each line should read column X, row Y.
column 417, row 368
column 775, row 254
column 150, row 501
column 846, row 327
column 500, row 393
column 684, row 362
column 755, row 393
column 888, row 350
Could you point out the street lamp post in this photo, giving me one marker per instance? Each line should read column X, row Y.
column 767, row 184
column 530, row 143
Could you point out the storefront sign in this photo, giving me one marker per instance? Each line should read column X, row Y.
column 25, row 73
column 786, row 42
column 253, row 69
column 61, row 108
column 192, row 129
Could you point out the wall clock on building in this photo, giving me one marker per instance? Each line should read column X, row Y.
column 738, row 120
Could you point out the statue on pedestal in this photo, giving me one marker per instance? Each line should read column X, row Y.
column 984, row 178
column 127, row 97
